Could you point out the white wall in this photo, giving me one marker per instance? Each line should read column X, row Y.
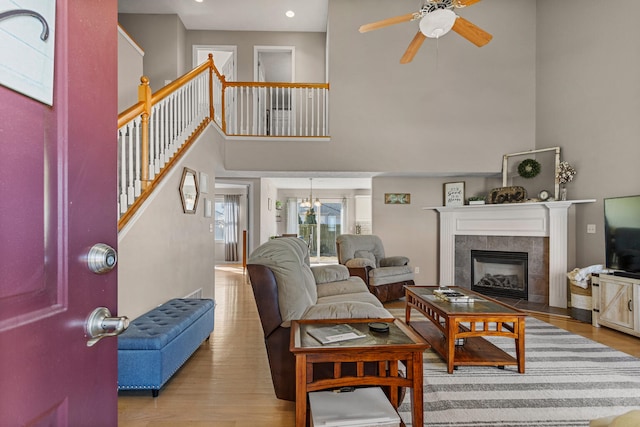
column 164, row 253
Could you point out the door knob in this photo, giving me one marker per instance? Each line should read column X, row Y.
column 102, row 258
column 100, row 325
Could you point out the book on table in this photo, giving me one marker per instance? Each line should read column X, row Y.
column 335, row 333
column 451, row 295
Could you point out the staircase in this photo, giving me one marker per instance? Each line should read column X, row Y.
column 154, row 133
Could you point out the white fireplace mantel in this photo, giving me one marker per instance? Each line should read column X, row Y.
column 543, row 219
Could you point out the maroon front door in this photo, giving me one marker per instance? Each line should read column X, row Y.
column 57, row 199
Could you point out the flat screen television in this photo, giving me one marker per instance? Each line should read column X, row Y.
column 622, row 235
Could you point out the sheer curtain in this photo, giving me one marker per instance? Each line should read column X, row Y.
column 292, row 215
column 231, row 233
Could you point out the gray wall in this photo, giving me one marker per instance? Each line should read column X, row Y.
column 413, row 230
column 557, row 73
column 130, row 69
column 162, row 39
column 164, row 253
column 456, row 115
column 588, row 102
column 310, row 48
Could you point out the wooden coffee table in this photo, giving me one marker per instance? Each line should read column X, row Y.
column 384, row 349
column 466, row 324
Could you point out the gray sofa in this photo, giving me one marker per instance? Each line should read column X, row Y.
column 287, row 288
column 364, row 256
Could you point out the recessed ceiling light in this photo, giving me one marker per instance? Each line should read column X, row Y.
column 290, row 13
column 199, row 1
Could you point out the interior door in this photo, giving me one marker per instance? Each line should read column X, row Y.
column 58, row 199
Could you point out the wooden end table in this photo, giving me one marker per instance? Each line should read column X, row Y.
column 400, row 344
column 450, row 323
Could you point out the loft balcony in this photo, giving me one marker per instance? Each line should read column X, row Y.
column 155, row 132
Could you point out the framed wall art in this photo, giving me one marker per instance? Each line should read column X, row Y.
column 454, row 193
column 397, row 198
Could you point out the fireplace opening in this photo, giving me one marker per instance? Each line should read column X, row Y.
column 498, row 273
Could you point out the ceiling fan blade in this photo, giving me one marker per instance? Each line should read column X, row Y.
column 386, row 22
column 471, row 32
column 465, row 3
column 413, row 48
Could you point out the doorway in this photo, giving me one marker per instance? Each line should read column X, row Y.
column 275, row 107
column 319, row 225
column 224, row 58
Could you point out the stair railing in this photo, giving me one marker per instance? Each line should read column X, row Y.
column 154, row 133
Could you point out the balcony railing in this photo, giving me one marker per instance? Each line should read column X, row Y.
column 154, row 133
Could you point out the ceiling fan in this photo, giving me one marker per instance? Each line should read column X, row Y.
column 436, row 19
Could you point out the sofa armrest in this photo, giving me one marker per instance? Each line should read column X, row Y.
column 265, row 291
column 360, row 263
column 394, row 261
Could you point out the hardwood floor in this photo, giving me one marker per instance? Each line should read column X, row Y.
column 226, row 383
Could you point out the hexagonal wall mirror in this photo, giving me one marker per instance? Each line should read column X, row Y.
column 189, row 193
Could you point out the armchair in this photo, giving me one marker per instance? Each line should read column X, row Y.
column 364, row 256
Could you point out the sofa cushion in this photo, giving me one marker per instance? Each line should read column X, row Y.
column 351, row 285
column 330, row 273
column 394, row 261
column 367, row 255
column 628, row 419
column 346, row 310
column 360, row 263
column 366, row 297
column 287, row 258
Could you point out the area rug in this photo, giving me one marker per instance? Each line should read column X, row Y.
column 569, row 380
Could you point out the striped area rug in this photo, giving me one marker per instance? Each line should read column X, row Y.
column 569, row 380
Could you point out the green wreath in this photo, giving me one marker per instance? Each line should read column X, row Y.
column 528, row 168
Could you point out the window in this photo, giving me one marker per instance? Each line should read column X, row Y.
column 219, row 218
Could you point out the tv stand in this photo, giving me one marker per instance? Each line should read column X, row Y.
column 616, row 302
column 629, row 274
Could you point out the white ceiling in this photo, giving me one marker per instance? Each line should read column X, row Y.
column 237, row 15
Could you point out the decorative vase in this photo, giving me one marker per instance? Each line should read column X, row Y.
column 563, row 193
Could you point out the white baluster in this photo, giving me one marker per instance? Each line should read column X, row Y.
column 122, row 165
column 138, row 165
column 130, row 173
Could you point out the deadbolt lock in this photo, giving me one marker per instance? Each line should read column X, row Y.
column 102, row 258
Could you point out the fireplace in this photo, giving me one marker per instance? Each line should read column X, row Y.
column 545, row 221
column 500, row 273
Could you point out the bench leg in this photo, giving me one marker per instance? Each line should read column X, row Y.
column 155, row 392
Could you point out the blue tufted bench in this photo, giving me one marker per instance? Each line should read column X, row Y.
column 156, row 344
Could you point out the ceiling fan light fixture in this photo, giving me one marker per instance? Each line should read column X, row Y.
column 437, row 23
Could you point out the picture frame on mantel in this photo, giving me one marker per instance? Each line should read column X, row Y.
column 454, row 193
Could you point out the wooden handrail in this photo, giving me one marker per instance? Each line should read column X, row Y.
column 282, row 85
column 147, row 167
column 181, row 81
column 158, row 178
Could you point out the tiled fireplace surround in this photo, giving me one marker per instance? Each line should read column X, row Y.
column 537, row 249
column 541, row 229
